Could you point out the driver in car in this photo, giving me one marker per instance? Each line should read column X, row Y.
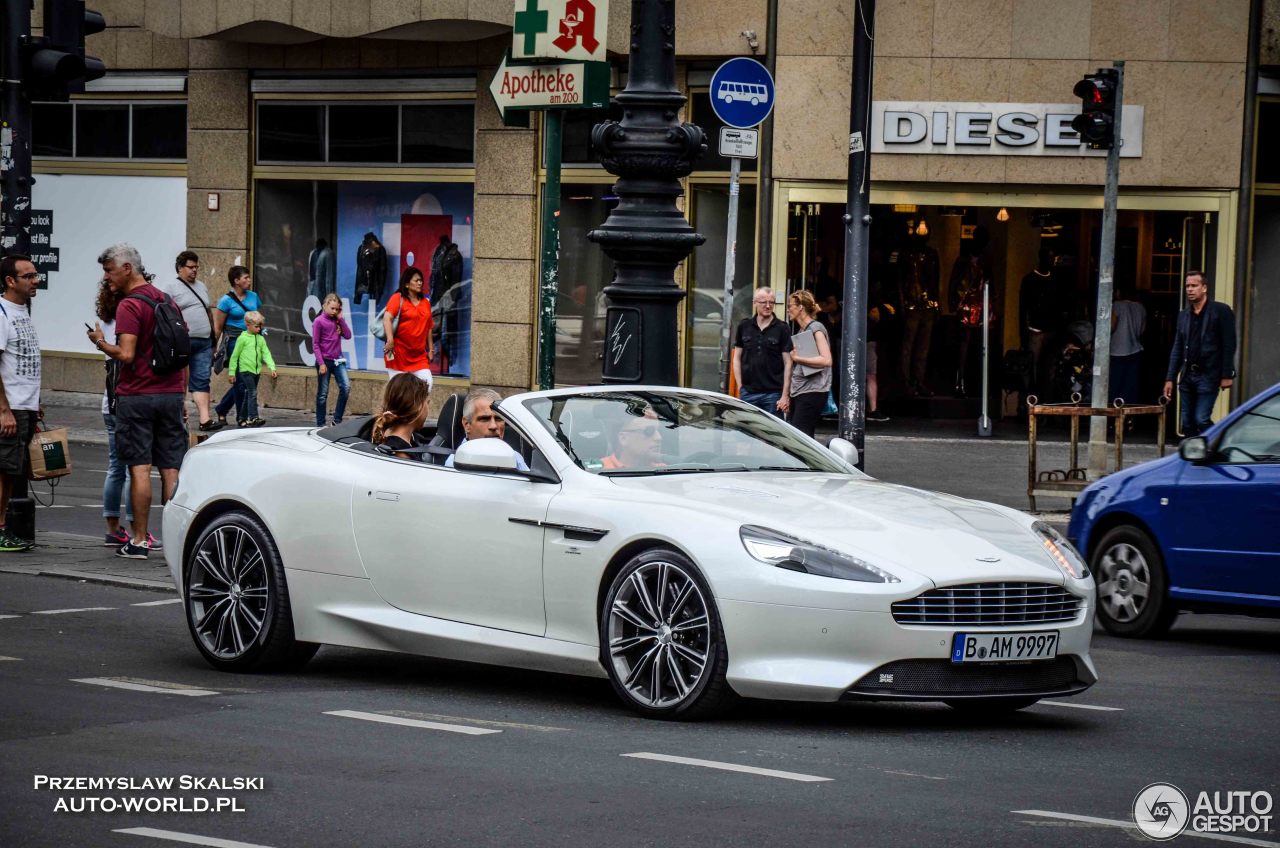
column 637, row 443
column 481, row 421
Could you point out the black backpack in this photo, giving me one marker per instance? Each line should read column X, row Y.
column 170, row 339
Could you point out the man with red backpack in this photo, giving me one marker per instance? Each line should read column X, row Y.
column 153, row 349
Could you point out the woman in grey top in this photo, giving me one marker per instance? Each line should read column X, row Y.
column 811, row 363
column 1128, row 322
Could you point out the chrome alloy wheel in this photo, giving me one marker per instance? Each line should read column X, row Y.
column 1124, row 582
column 228, row 593
column 659, row 634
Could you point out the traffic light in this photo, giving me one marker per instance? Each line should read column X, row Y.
column 55, row 65
column 1096, row 122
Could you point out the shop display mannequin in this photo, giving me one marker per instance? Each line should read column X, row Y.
column 321, row 274
column 918, row 278
column 970, row 274
column 371, row 268
column 1040, row 313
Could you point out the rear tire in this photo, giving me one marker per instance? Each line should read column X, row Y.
column 661, row 640
column 237, row 599
column 1132, row 584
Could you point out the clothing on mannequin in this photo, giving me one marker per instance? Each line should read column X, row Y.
column 322, row 276
column 970, row 275
column 1041, row 313
column 371, row 268
column 919, row 275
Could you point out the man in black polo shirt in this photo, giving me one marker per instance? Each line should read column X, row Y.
column 1204, row 352
column 761, row 366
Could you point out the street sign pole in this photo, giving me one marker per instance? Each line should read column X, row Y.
column 549, row 272
column 857, row 239
column 1106, row 279
column 730, row 269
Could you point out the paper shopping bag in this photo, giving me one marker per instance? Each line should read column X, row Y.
column 50, row 454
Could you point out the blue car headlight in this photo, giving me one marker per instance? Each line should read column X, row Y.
column 1061, row 551
column 773, row 548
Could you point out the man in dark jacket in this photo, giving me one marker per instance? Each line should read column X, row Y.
column 1204, row 353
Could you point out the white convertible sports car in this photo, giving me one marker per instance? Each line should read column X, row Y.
column 682, row 543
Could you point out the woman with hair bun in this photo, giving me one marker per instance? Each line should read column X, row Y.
column 408, row 348
column 404, row 410
column 811, row 363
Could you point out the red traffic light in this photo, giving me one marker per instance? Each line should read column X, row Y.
column 1096, row 122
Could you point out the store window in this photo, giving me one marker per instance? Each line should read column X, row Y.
column 704, row 307
column 367, row 233
column 584, row 273
column 424, row 133
column 147, row 130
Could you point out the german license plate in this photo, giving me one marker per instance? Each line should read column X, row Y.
column 1004, row 647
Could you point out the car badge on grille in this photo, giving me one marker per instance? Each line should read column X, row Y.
column 989, row 559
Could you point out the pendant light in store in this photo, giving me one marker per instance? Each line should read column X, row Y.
column 922, row 229
column 1002, row 215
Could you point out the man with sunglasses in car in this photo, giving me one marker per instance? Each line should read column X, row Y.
column 637, row 444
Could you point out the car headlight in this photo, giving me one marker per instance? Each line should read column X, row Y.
column 786, row 552
column 1061, row 551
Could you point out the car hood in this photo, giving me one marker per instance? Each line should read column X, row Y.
column 939, row 537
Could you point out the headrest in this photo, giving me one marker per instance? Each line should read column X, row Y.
column 449, row 431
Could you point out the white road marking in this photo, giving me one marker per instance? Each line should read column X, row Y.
column 10, row 616
column 1128, row 825
column 1082, row 706
column 480, row 721
column 912, row 774
column 413, row 722
column 55, row 506
column 189, row 838
column 11, row 659
column 158, row 603
column 166, row 689
column 689, row 761
column 81, row 609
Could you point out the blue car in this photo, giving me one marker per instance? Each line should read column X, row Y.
column 1198, row 530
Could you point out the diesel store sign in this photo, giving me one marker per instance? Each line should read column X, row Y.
column 990, row 129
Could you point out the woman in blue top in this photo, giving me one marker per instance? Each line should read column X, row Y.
column 228, row 319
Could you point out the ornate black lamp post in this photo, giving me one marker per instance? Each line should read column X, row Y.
column 646, row 235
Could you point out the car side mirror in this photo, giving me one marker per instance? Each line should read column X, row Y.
column 484, row 455
column 844, row 449
column 1194, row 449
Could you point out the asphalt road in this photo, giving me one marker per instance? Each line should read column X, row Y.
column 1198, row 710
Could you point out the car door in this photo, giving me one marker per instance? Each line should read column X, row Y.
column 1228, row 509
column 457, row 545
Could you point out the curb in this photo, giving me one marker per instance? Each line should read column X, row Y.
column 101, row 579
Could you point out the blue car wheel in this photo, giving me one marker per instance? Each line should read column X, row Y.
column 1132, row 585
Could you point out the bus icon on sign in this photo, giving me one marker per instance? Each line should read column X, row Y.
column 749, row 92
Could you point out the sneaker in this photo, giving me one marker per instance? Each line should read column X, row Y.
column 154, row 543
column 116, row 539
column 10, row 543
column 877, row 415
column 131, row 551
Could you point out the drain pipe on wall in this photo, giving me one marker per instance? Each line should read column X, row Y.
column 1244, row 217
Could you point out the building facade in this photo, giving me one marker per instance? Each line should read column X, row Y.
column 251, row 132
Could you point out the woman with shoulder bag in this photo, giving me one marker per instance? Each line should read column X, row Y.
column 811, row 360
column 228, row 324
column 407, row 323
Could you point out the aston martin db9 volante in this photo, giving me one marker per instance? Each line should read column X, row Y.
column 681, row 543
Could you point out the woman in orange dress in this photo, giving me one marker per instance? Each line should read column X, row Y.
column 409, row 348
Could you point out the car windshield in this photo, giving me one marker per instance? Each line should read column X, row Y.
column 621, row 433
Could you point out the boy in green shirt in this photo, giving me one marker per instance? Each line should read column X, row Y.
column 245, row 365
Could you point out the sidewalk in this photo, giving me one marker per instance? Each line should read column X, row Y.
column 76, row 557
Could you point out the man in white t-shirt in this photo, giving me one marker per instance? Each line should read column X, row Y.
column 19, row 382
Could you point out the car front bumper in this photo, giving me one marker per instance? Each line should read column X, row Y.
column 806, row 654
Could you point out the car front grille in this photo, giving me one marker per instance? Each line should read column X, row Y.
column 921, row 678
column 990, row 605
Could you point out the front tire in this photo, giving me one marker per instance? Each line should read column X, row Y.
column 661, row 640
column 237, row 600
column 1132, row 584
